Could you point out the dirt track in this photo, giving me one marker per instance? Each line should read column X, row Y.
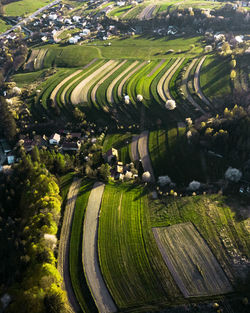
column 100, row 293
column 63, row 250
column 79, row 94
column 185, row 88
column 144, row 154
column 163, row 78
column 134, row 148
column 197, row 86
column 168, row 78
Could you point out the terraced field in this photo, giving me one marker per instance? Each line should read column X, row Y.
column 132, row 266
column 102, row 84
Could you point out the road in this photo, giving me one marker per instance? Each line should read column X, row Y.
column 23, row 22
column 197, row 86
column 185, row 88
column 144, row 154
column 99, row 291
column 63, row 250
column 134, row 148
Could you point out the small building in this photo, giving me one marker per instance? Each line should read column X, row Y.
column 76, row 18
column 71, row 146
column 110, row 154
column 55, row 139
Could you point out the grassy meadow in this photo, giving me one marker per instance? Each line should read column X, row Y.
column 131, row 263
column 23, row 7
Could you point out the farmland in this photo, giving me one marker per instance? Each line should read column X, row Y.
column 128, row 252
column 193, row 266
column 23, row 7
column 219, row 221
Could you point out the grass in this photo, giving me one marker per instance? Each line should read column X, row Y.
column 120, row 10
column 64, row 182
column 78, row 280
column 219, row 219
column 130, row 260
column 136, row 47
column 172, row 155
column 4, row 26
column 119, row 142
column 24, row 79
column 215, row 77
column 23, row 7
column 193, row 266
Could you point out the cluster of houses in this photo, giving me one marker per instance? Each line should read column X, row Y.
column 64, row 141
column 118, row 171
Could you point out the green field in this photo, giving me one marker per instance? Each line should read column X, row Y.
column 24, row 79
column 218, row 219
column 130, row 261
column 215, row 77
column 23, row 7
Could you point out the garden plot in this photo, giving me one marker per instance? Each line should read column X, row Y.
column 190, row 261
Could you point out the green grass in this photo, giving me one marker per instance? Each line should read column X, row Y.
column 24, row 79
column 116, row 141
column 216, row 217
column 23, row 7
column 120, row 10
column 215, row 77
column 64, row 182
column 130, row 261
column 69, row 56
column 78, row 280
column 4, row 26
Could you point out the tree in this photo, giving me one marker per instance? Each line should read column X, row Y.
column 104, row 172
column 233, row 174
column 35, row 154
column 170, row 105
column 164, row 180
column 194, row 185
column 7, row 122
column 146, row 177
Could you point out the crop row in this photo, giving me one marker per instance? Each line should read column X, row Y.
column 104, row 83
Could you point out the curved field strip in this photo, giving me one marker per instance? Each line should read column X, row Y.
column 156, row 68
column 55, row 91
column 147, row 13
column 165, row 86
column 143, row 144
column 94, row 90
column 122, row 83
column 197, row 86
column 80, row 93
column 162, row 80
column 99, row 291
column 131, row 85
column 66, row 92
column 38, row 62
column 130, row 261
column 29, row 65
column 185, row 87
column 111, row 86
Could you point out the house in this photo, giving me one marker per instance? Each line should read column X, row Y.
column 110, row 154
column 76, row 18
column 74, row 40
column 71, row 146
column 85, row 32
column 54, row 139
column 10, row 158
column 28, row 144
column 52, row 17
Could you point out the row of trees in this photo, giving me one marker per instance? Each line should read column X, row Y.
column 34, row 211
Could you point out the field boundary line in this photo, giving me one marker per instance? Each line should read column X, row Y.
column 90, row 260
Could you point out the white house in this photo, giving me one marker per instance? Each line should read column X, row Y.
column 85, row 32
column 76, row 18
column 54, row 139
column 74, row 40
column 52, row 17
